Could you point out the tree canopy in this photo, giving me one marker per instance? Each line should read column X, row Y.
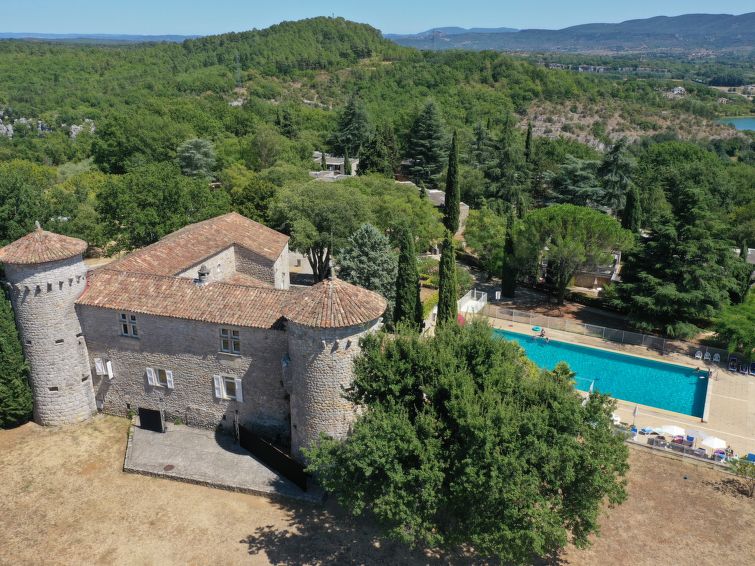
column 466, row 443
column 15, row 394
column 568, row 237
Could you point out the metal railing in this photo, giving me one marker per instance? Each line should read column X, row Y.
column 627, row 337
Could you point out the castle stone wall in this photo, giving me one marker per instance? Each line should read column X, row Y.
column 275, row 273
column 190, row 349
column 321, row 368
column 43, row 297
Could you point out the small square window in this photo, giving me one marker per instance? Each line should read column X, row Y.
column 128, row 325
column 162, row 377
column 230, row 387
column 230, row 341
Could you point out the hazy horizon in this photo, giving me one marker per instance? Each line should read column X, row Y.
column 174, row 17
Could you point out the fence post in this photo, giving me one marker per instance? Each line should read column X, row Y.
column 604, row 333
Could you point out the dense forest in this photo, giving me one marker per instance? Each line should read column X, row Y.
column 121, row 144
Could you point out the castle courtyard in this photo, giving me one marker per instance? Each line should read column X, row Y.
column 71, row 480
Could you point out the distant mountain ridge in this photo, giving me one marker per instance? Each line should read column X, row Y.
column 96, row 37
column 450, row 31
column 689, row 32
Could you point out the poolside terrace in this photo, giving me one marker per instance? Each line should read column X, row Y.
column 731, row 396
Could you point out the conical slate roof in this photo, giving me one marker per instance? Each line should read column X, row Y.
column 41, row 246
column 333, row 303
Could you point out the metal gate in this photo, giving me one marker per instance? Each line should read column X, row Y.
column 150, row 419
column 272, row 457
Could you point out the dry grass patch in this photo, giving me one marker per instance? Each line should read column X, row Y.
column 64, row 499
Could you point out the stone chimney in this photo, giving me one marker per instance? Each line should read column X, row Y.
column 203, row 276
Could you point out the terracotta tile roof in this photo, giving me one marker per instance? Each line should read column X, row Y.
column 179, row 297
column 40, row 247
column 333, row 303
column 248, row 280
column 191, row 244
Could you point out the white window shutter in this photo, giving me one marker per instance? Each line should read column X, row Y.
column 239, row 393
column 99, row 367
column 218, row 386
column 169, row 378
column 109, row 366
column 151, row 379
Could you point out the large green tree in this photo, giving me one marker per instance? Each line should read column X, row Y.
column 408, row 306
column 196, row 157
column 569, row 237
column 353, row 129
column 320, row 217
column 15, row 394
column 379, row 153
column 631, row 216
column 448, row 288
column 466, row 444
column 484, row 233
column 735, row 325
column 684, row 273
column 369, row 260
column 453, row 189
column 149, row 202
column 615, row 174
column 427, row 145
column 23, row 186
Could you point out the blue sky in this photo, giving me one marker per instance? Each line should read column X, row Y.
column 391, row 16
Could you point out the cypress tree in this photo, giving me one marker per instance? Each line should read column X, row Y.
column 509, row 271
column 453, row 191
column 528, row 144
column 346, row 165
column 407, row 281
column 15, row 394
column 631, row 218
column 323, row 161
column 448, row 288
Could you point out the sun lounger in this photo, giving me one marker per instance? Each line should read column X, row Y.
column 646, row 430
column 743, row 368
column 733, row 364
column 752, row 368
column 698, row 355
column 706, row 357
column 716, row 358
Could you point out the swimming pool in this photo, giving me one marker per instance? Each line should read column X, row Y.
column 638, row 380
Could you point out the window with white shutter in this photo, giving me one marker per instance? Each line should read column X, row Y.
column 239, row 393
column 218, row 382
column 169, row 379
column 109, row 368
column 228, row 387
column 99, row 367
column 151, row 379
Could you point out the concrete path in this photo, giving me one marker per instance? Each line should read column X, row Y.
column 202, row 457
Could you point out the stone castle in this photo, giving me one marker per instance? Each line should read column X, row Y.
column 202, row 324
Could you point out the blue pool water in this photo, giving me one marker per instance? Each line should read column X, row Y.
column 741, row 123
column 648, row 382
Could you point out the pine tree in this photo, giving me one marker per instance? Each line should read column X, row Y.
column 615, row 176
column 196, row 158
column 407, row 282
column 426, row 146
column 15, row 394
column 509, row 271
column 453, row 191
column 631, row 217
column 380, row 153
column 448, row 288
column 353, row 129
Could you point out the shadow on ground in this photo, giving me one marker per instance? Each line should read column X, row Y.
column 729, row 486
column 329, row 535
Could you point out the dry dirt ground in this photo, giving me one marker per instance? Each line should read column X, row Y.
column 65, row 500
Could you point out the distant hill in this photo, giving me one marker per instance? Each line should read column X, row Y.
column 449, row 31
column 691, row 32
column 96, row 37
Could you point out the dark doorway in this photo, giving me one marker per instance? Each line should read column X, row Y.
column 149, row 419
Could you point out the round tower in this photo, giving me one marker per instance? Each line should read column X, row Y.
column 46, row 274
column 324, row 324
